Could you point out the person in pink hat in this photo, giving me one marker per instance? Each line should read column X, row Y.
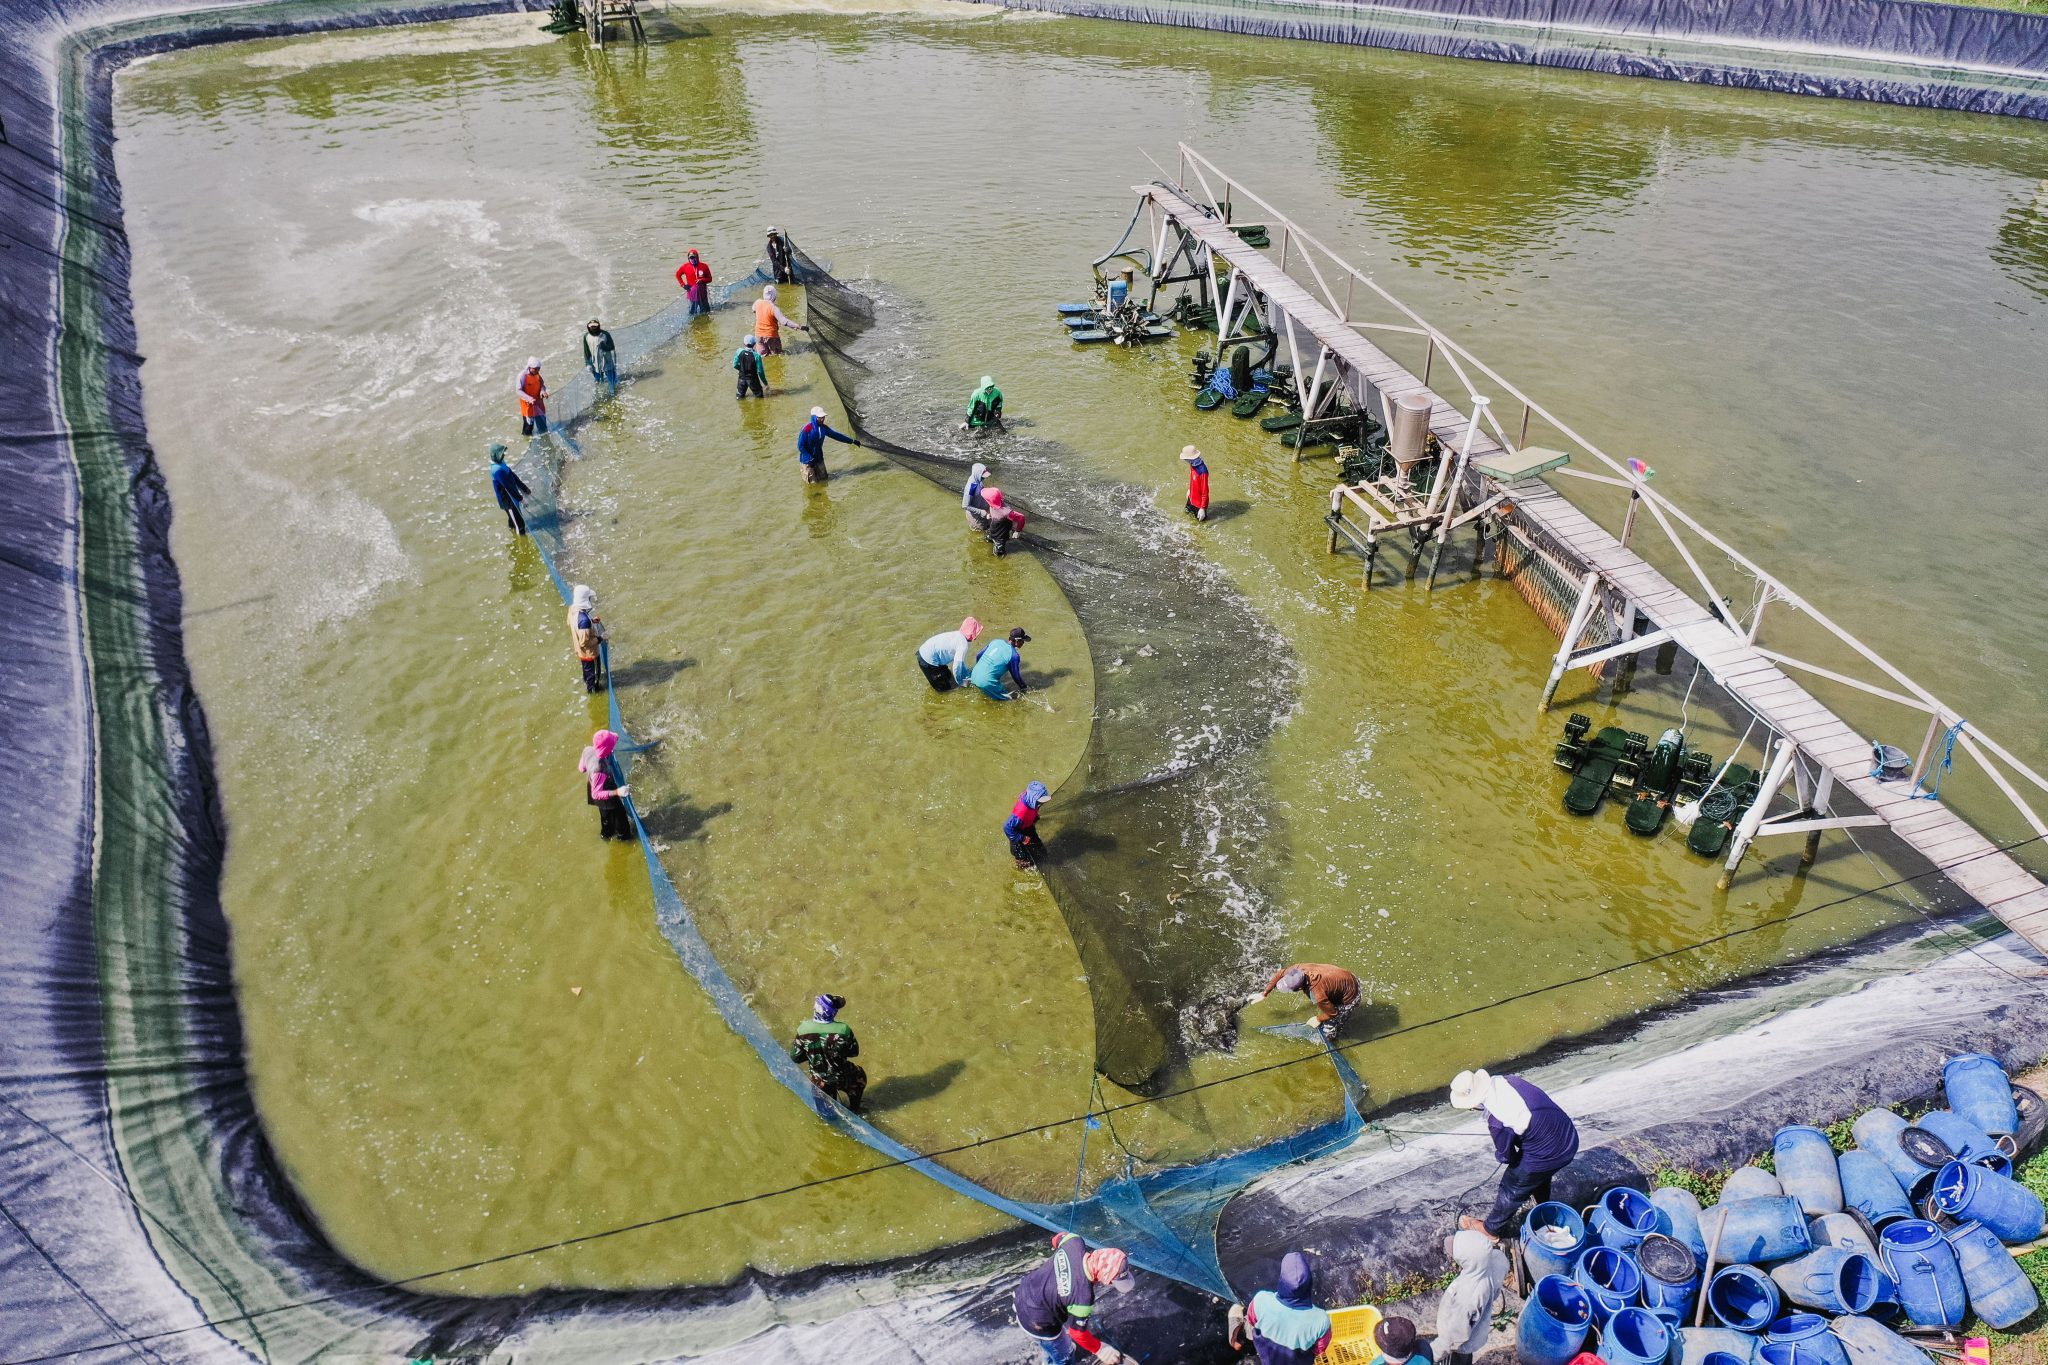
column 948, row 657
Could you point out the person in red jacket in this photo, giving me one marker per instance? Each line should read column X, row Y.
column 1198, row 483
column 695, row 278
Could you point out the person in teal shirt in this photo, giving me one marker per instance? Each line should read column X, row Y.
column 996, row 659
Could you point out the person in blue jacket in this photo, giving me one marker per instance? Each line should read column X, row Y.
column 810, row 446
column 1021, row 829
column 510, row 489
column 997, row 658
column 1533, row 1139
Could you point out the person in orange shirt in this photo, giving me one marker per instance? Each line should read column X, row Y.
column 533, row 399
column 1332, row 990
column 769, row 320
column 695, row 278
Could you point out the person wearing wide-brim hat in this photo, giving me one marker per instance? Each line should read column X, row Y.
column 1532, row 1137
column 1198, row 483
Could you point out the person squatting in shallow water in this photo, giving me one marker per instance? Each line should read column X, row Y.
column 780, row 264
column 1533, row 1139
column 533, row 399
column 605, row 791
column 946, row 659
column 810, row 446
column 1198, row 483
column 601, row 358
column 1332, row 990
column 1021, row 829
column 769, row 320
column 984, row 408
column 695, row 278
column 746, row 364
column 826, row 1048
column 1055, row 1303
column 997, row 658
column 511, row 490
column 586, row 633
column 1283, row 1325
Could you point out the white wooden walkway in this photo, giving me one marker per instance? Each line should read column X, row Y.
column 1972, row 862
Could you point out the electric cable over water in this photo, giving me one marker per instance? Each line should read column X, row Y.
column 914, row 1158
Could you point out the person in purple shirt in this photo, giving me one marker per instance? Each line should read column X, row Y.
column 1532, row 1138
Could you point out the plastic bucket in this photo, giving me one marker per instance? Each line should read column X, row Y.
column 1830, row 1280
column 1768, row 1229
column 1681, row 1212
column 1635, row 1336
column 1743, row 1297
column 1554, row 1322
column 1621, row 1218
column 1750, row 1182
column 1870, row 1188
column 1872, row 1343
column 1540, row 1256
column 1978, row 1089
column 1972, row 1194
column 1671, row 1276
column 1842, row 1230
column 2000, row 1292
column 1611, row 1278
column 1713, row 1346
column 1802, row 1339
column 1964, row 1138
column 1806, row 1168
column 1877, row 1133
column 1924, row 1266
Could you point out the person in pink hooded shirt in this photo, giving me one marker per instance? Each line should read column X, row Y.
column 606, row 792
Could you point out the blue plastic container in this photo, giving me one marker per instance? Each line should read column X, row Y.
column 1750, row 1182
column 1681, row 1210
column 1870, row 1188
column 1621, row 1218
column 1554, row 1323
column 1542, row 1258
column 1635, row 1336
column 1671, row 1276
column 1924, row 1266
column 1806, row 1168
column 1999, row 1290
column 1802, row 1339
column 1768, row 1229
column 1972, row 1194
column 1714, row 1346
column 1964, row 1138
column 1830, row 1280
column 1877, row 1133
column 1611, row 1278
column 1842, row 1230
column 1978, row 1089
column 1743, row 1298
column 1871, row 1343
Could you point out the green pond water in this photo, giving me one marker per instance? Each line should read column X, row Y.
column 1821, row 323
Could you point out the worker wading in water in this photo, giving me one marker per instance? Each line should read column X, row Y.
column 586, row 634
column 533, row 399
column 769, row 320
column 826, row 1048
column 511, row 490
column 695, row 278
column 746, row 365
column 984, row 408
column 1021, row 829
column 1198, row 483
column 780, row 264
column 601, row 358
column 606, row 793
column 810, row 446
column 1334, row 992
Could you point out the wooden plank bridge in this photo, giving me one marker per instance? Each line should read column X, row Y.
column 1818, row 752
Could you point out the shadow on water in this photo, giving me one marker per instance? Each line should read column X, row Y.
column 1224, row 511
column 871, row 467
column 892, row 1091
column 680, row 819
column 647, row 672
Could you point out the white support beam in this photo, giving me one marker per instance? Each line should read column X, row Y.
column 1481, row 510
column 1969, row 742
column 1588, row 594
column 1789, row 662
column 1633, row 645
column 1799, row 824
column 1746, row 828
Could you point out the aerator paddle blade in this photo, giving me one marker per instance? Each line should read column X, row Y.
column 1924, row 1147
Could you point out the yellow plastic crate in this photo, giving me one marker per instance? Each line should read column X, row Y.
column 1351, row 1335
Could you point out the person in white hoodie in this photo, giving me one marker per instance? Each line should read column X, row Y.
column 1464, row 1315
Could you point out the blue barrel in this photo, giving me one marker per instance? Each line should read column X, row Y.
column 1806, row 1168
column 1872, row 1343
column 1553, row 1235
column 1621, row 1218
column 1554, row 1323
column 1923, row 1264
column 1964, row 1138
column 1841, row 1230
column 1802, row 1339
column 1681, row 1210
column 1870, row 1188
column 1743, row 1298
column 1770, row 1229
column 1750, row 1182
column 1671, row 1276
column 1971, row 1194
column 1701, row 1346
column 1635, row 1336
column 1877, row 1132
column 2000, row 1292
column 1830, row 1280
column 1978, row 1089
column 1611, row 1278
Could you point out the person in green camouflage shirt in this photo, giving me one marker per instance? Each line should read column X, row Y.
column 827, row 1048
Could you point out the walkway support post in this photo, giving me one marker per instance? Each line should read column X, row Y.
column 1587, row 595
column 1745, row 830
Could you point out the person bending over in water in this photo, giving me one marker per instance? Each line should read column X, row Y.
column 586, row 633
column 606, row 792
column 780, row 260
column 769, row 320
column 601, row 358
column 810, row 446
column 1004, row 520
column 945, row 658
column 826, row 1048
column 510, row 489
column 997, row 658
column 1021, row 829
column 985, row 408
column 1333, row 991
